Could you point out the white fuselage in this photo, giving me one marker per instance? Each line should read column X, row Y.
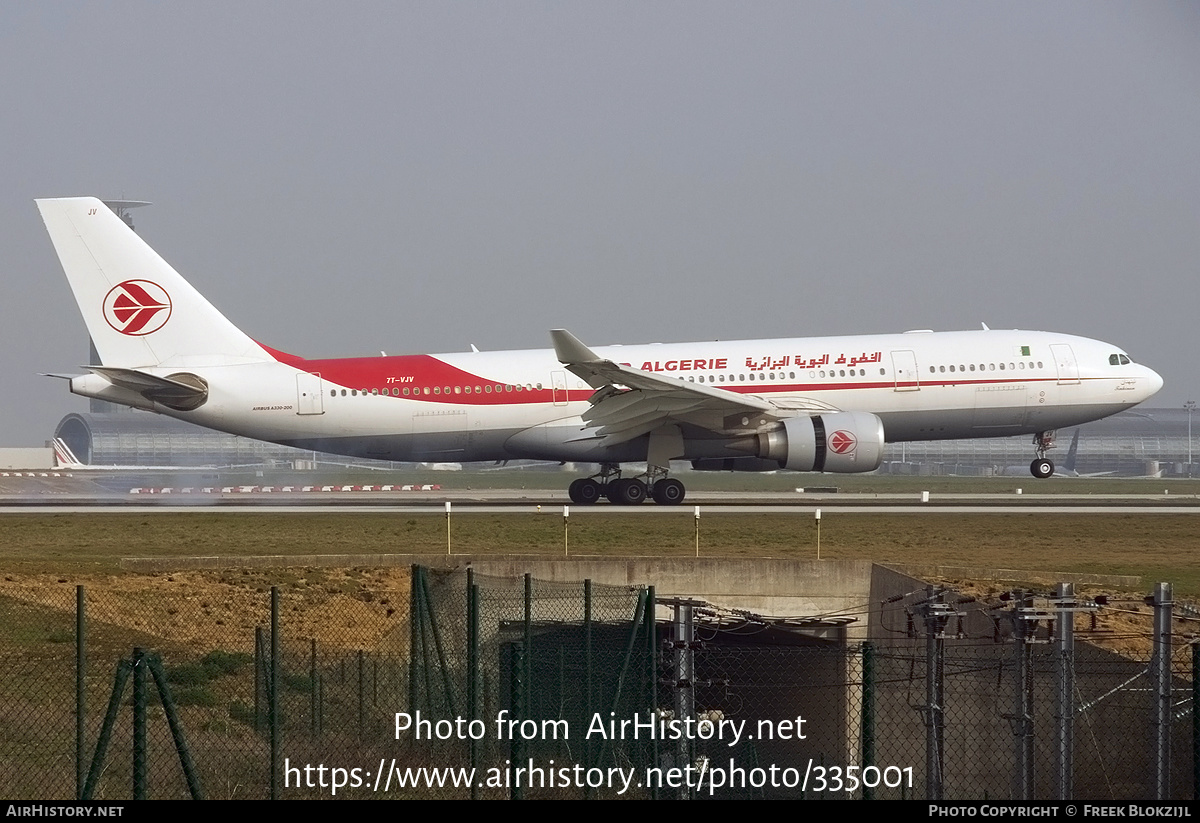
column 525, row 404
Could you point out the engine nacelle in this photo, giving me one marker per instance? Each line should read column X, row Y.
column 839, row 442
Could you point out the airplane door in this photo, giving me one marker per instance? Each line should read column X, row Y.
column 1064, row 361
column 905, row 365
column 558, row 383
column 310, row 397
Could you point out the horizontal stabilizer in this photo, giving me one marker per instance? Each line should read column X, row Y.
column 181, row 391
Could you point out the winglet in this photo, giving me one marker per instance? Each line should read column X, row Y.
column 569, row 349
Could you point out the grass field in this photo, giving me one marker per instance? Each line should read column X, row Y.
column 1156, row 547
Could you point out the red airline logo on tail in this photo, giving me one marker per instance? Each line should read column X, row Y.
column 137, row 307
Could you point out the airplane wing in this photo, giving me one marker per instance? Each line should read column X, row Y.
column 629, row 402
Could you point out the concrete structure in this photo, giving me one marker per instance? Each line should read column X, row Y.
column 21, row 458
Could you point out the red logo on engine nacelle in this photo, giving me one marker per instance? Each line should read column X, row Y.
column 137, row 307
column 842, row 442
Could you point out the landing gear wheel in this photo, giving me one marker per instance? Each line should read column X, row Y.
column 627, row 492
column 585, row 491
column 1041, row 468
column 612, row 490
column 668, row 492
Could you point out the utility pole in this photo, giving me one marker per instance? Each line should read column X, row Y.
column 1190, row 406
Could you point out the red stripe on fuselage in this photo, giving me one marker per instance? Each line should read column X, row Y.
column 423, row 373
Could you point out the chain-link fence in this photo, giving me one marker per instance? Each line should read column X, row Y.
column 460, row 685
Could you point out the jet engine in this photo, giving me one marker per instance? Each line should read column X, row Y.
column 839, row 442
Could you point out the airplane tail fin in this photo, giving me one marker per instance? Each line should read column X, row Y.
column 139, row 311
column 64, row 458
column 1072, row 453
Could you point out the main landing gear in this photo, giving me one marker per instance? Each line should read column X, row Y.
column 626, row 491
column 1042, row 467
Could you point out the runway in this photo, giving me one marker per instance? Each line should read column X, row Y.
column 65, row 494
column 527, row 503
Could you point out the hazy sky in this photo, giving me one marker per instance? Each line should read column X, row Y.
column 416, row 177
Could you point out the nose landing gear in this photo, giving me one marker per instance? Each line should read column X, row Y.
column 1042, row 467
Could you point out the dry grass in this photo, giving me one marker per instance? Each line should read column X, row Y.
column 1155, row 547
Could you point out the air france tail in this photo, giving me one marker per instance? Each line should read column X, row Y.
column 139, row 311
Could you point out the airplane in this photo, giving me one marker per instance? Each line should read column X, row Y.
column 806, row 404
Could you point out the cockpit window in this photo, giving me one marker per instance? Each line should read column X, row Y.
column 1119, row 360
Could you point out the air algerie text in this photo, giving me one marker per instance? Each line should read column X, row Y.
column 685, row 365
